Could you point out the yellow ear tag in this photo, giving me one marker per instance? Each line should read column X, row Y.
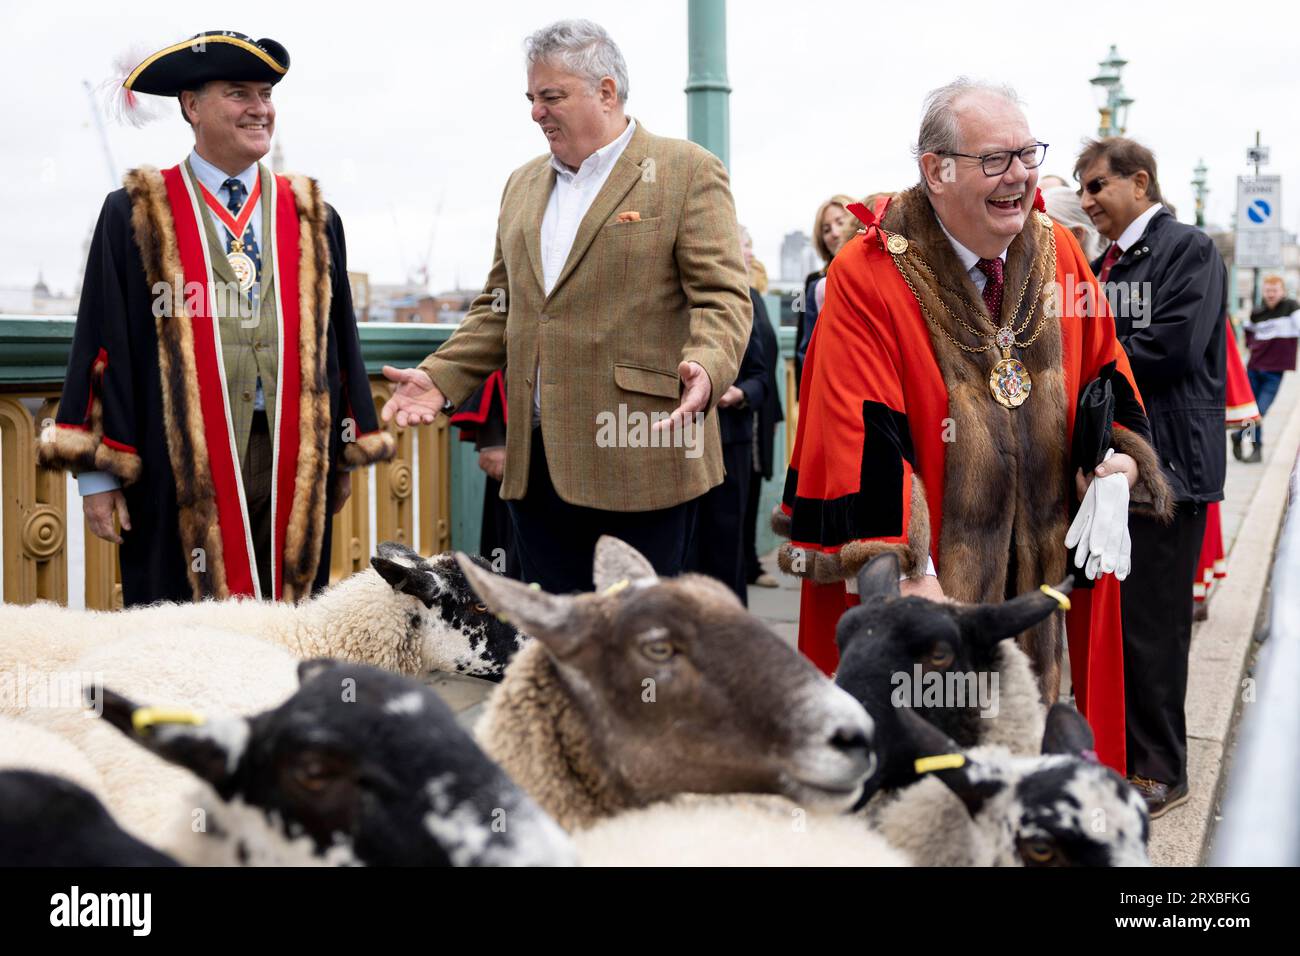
column 142, row 718
column 939, row 762
column 616, row 587
column 1051, row 592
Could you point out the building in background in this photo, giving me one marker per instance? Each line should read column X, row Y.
column 798, row 257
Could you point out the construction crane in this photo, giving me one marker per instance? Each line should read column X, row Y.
column 113, row 177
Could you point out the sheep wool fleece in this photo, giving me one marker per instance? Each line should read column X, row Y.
column 534, row 729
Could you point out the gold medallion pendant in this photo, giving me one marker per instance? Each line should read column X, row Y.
column 1009, row 382
column 243, row 268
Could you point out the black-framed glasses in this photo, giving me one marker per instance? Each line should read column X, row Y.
column 995, row 164
column 1097, row 184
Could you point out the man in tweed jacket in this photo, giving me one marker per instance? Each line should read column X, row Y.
column 618, row 302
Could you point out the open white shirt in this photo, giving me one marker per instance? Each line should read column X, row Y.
column 574, row 192
column 1138, row 226
column 970, row 259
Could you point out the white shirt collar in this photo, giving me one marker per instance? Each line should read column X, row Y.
column 1138, row 226
column 969, row 259
column 598, row 161
column 211, row 177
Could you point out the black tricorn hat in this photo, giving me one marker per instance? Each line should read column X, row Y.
column 212, row 55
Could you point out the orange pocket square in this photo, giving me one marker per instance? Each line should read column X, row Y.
column 632, row 216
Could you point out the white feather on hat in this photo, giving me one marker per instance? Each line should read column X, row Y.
column 127, row 107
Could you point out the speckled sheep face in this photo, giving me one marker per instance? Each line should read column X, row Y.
column 1058, row 811
column 359, row 767
column 455, row 630
column 687, row 691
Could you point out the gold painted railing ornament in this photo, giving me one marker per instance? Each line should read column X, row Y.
column 417, row 482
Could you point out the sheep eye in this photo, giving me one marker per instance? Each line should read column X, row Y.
column 941, row 655
column 1038, row 851
column 313, row 776
column 658, row 651
column 481, row 608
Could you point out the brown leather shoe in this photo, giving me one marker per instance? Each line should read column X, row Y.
column 1160, row 797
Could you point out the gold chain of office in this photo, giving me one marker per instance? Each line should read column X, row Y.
column 1009, row 381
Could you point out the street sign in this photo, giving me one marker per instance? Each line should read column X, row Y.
column 1257, row 155
column 1259, row 222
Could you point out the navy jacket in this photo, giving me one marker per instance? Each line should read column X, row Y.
column 1169, row 293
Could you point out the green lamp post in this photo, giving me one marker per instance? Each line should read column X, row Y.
column 707, row 88
column 1112, row 101
column 1200, row 189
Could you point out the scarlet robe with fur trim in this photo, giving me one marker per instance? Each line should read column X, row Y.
column 901, row 446
column 144, row 400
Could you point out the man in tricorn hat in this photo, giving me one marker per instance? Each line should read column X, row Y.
column 215, row 396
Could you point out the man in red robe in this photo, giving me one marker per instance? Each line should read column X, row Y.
column 939, row 399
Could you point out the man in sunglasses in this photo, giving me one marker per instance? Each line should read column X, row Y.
column 940, row 393
column 1167, row 287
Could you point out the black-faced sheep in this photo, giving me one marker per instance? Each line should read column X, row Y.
column 406, row 614
column 359, row 767
column 650, row 688
column 954, row 663
column 987, row 807
column 47, row 820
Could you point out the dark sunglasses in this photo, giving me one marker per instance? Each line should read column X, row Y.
column 1094, row 186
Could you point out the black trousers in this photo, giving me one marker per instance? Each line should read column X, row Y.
column 718, row 546
column 258, row 465
column 1156, row 600
column 556, row 541
column 497, row 535
column 753, row 567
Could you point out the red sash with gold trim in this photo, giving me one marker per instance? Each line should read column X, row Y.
column 227, row 480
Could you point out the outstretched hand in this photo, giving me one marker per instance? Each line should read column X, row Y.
column 695, row 397
column 415, row 401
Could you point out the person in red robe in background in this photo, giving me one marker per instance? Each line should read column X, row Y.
column 939, row 399
column 1241, row 410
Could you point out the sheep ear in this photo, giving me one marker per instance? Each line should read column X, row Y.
column 551, row 618
column 406, row 572
column 925, row 742
column 986, row 624
column 1067, row 732
column 617, row 561
column 879, row 577
column 210, row 748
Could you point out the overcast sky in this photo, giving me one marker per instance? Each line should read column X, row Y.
column 413, row 117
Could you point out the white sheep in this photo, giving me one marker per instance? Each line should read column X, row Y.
column 202, row 669
column 406, row 614
column 650, row 688
column 25, row 746
column 723, row 830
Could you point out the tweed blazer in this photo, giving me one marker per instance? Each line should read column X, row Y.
column 637, row 295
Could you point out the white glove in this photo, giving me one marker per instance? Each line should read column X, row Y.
column 1100, row 529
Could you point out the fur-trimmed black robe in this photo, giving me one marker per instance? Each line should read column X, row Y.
column 130, row 402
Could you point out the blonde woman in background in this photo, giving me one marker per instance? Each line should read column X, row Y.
column 832, row 227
